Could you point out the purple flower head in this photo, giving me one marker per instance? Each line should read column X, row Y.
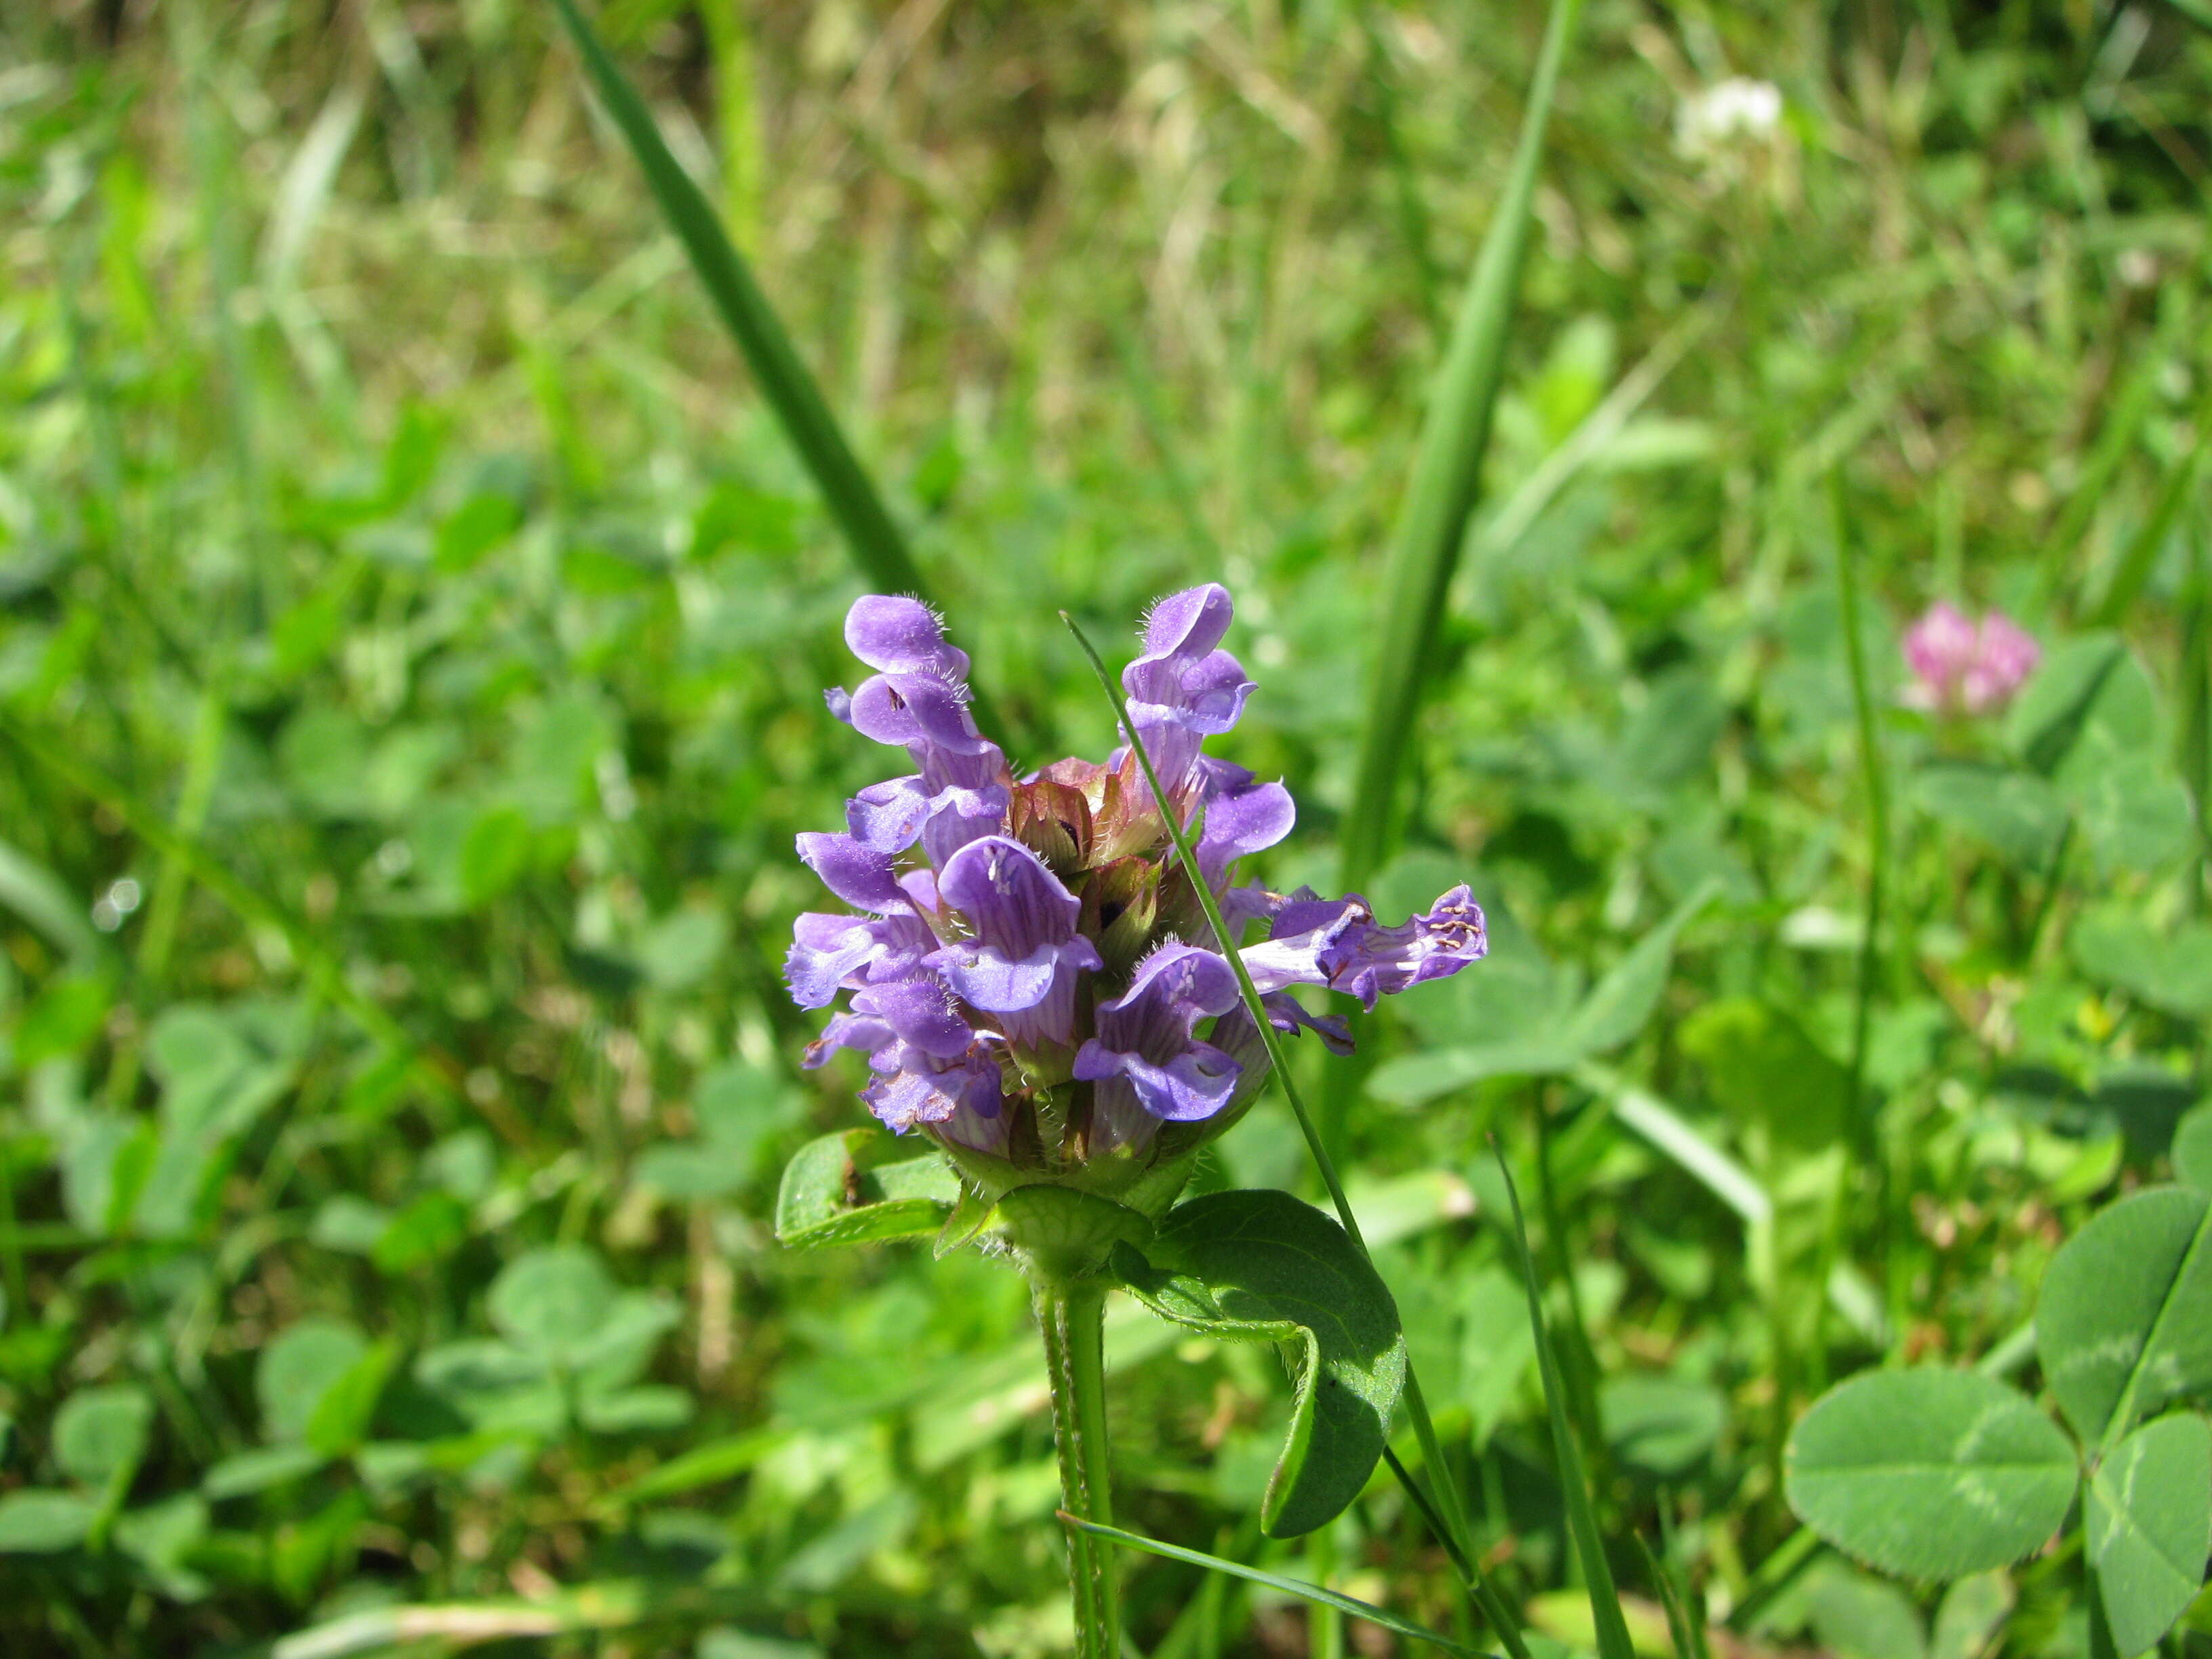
column 1960, row 666
column 1021, row 963
column 1025, row 969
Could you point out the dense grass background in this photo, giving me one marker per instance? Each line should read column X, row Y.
column 409, row 685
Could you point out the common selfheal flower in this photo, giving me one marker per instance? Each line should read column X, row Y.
column 1149, row 1066
column 1960, row 666
column 1032, row 980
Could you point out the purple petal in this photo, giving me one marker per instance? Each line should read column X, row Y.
column 1288, row 1016
column 1195, row 1084
column 1243, row 818
column 857, row 873
column 921, row 1013
column 917, row 711
column 920, row 1091
column 826, row 951
column 887, row 818
column 862, row 1031
column 1013, row 902
column 1374, row 961
column 900, row 635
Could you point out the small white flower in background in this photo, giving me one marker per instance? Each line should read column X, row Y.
column 1713, row 117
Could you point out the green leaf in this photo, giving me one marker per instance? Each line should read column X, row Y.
column 2192, row 1150
column 1661, row 1427
column 259, row 1470
column 40, row 1522
column 494, row 854
column 2018, row 815
column 300, row 1365
column 844, row 1188
column 99, row 1434
column 2148, row 1527
column 2134, row 811
column 159, row 1538
column 2125, row 1323
column 1761, row 1068
column 64, row 1016
column 1305, row 1592
column 554, row 1303
column 2054, row 707
column 342, row 1416
column 1857, row 1616
column 2172, row 972
column 1929, row 1474
column 1970, row 1615
column 1263, row 1267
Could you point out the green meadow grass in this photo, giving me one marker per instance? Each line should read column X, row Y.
column 414, row 621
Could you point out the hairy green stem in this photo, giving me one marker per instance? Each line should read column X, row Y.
column 1071, row 1316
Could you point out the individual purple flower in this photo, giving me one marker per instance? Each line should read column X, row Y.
column 1338, row 944
column 1026, row 971
column 1022, row 962
column 1183, row 690
column 1960, row 666
column 918, row 700
column 1149, row 1067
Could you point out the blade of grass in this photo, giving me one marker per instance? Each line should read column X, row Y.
column 1445, row 1501
column 1864, row 1138
column 1446, row 478
column 876, row 546
column 1612, row 1642
column 1297, row 1587
column 2142, row 549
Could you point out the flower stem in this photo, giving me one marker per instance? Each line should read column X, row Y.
column 1070, row 1316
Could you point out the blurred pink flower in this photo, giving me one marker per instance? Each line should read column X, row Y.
column 1964, row 667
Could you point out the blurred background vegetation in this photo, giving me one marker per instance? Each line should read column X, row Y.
column 410, row 689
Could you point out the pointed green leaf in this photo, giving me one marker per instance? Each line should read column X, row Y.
column 2148, row 1526
column 844, row 1188
column 1263, row 1267
column 1929, row 1474
column 2018, row 815
column 2125, row 1323
column 1275, row 1581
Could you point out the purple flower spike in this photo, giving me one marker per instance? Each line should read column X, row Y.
column 1960, row 666
column 1144, row 1059
column 1022, row 962
column 983, row 974
column 1182, row 689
